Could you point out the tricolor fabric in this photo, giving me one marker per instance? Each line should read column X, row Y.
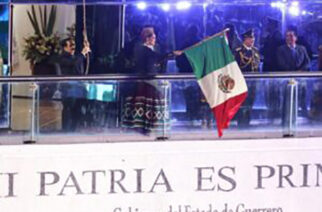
column 219, row 78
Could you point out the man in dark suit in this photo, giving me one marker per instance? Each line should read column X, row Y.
column 71, row 63
column 301, row 40
column 73, row 93
column 291, row 56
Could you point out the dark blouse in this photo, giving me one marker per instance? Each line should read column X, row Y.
column 148, row 61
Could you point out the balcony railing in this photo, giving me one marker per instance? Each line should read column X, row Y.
column 101, row 108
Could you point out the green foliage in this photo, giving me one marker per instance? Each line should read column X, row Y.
column 47, row 22
column 38, row 48
column 44, row 43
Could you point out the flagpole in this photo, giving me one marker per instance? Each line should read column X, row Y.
column 208, row 38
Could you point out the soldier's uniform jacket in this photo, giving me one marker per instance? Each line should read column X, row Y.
column 248, row 59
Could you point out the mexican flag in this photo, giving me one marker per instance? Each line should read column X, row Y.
column 219, row 78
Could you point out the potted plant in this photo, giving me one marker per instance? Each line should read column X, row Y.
column 44, row 43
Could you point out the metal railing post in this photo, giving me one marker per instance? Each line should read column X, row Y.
column 34, row 114
column 165, row 85
column 290, row 104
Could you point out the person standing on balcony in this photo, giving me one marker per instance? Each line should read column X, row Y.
column 73, row 93
column 247, row 55
column 147, row 110
column 191, row 91
column 248, row 58
column 271, row 40
column 69, row 62
column 147, row 56
column 294, row 57
column 291, row 56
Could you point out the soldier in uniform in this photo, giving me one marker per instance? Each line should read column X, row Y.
column 247, row 55
column 248, row 59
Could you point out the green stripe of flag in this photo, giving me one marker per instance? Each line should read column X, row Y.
column 209, row 56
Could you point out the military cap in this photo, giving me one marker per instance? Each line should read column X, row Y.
column 248, row 34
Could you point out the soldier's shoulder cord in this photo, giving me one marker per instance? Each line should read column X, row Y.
column 238, row 49
column 255, row 52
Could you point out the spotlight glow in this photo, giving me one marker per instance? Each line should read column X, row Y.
column 295, row 3
column 183, row 5
column 278, row 4
column 294, row 10
column 141, row 5
column 165, row 6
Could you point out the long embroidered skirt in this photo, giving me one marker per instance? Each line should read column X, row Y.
column 148, row 109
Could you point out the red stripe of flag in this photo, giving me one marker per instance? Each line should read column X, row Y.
column 227, row 110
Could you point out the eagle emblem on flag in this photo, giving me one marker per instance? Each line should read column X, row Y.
column 226, row 83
